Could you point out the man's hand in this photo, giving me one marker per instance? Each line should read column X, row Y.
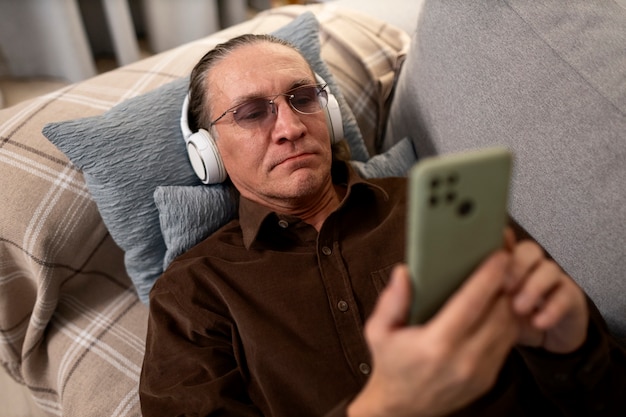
column 552, row 309
column 436, row 368
column 516, row 296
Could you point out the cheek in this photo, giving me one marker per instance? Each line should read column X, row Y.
column 323, row 142
column 239, row 156
column 319, row 129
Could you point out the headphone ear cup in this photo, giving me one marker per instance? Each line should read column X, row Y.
column 333, row 119
column 205, row 158
column 333, row 113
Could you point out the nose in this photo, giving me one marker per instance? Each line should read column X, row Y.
column 288, row 124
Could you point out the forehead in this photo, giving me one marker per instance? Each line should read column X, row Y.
column 259, row 68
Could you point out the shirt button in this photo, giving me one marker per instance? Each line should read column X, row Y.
column 342, row 306
column 326, row 250
column 365, row 369
column 283, row 223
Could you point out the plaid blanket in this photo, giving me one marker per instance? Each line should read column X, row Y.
column 72, row 329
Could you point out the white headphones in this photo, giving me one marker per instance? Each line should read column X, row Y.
column 202, row 150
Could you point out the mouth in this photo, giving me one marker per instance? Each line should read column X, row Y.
column 293, row 159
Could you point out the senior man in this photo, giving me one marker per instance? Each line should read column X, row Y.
column 298, row 307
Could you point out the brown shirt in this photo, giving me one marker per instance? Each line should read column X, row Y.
column 265, row 317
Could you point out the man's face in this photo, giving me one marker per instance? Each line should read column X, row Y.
column 288, row 161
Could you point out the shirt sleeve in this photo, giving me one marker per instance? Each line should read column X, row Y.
column 190, row 369
column 589, row 381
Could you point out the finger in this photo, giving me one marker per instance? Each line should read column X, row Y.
column 473, row 300
column 552, row 310
column 537, row 287
column 509, row 239
column 526, row 256
column 563, row 318
column 480, row 356
column 392, row 308
column 566, row 299
column 495, row 337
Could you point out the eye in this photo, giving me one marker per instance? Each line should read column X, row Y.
column 251, row 111
column 305, row 99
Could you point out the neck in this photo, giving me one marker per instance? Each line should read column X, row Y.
column 314, row 210
column 318, row 213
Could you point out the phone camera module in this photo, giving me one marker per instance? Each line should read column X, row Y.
column 465, row 208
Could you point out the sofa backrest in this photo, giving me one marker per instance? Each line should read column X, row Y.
column 547, row 80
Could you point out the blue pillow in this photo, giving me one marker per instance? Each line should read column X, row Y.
column 137, row 146
column 189, row 214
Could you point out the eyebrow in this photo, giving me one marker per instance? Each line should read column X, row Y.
column 253, row 96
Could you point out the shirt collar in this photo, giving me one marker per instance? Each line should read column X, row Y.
column 252, row 214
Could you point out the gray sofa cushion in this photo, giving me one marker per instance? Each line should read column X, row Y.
column 548, row 80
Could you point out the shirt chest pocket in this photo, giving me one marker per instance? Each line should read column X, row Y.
column 380, row 278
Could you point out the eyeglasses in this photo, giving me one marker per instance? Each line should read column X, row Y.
column 258, row 112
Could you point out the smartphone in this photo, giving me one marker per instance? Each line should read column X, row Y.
column 457, row 212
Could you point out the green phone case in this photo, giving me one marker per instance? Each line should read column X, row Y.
column 457, row 214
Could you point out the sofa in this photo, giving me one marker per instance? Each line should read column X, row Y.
column 98, row 197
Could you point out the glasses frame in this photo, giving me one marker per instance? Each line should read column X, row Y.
column 321, row 89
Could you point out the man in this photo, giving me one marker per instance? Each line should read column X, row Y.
column 286, row 311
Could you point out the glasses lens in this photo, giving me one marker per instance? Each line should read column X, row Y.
column 308, row 99
column 252, row 113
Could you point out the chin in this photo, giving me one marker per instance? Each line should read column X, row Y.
column 303, row 182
